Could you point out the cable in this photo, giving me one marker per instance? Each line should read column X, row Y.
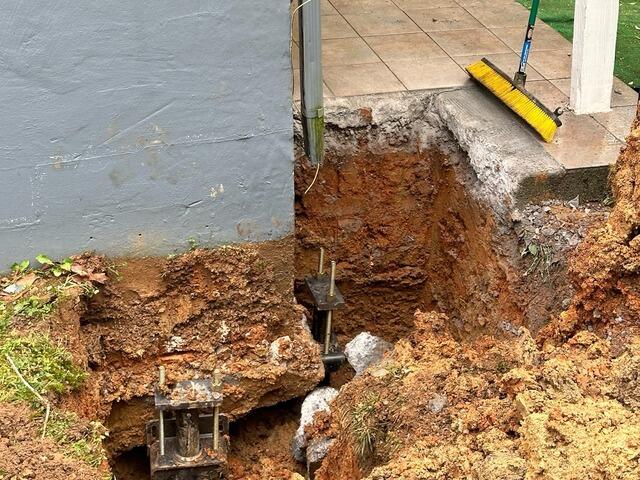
column 293, row 16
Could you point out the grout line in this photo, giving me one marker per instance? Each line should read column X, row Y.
column 431, row 38
column 376, row 53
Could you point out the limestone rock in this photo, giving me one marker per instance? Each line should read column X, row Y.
column 365, row 350
column 317, row 401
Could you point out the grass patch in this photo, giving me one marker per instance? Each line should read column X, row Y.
column 363, row 424
column 47, row 368
column 559, row 15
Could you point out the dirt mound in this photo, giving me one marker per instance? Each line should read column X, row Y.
column 24, row 455
column 437, row 408
column 606, row 268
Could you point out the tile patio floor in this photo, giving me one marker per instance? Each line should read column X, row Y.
column 377, row 46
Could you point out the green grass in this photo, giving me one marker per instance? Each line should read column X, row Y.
column 47, row 368
column 559, row 15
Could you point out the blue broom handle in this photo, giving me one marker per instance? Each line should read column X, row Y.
column 526, row 47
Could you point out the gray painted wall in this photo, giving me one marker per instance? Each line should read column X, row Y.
column 128, row 127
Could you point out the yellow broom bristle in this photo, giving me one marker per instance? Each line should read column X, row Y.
column 517, row 101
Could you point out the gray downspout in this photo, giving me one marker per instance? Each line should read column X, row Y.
column 311, row 87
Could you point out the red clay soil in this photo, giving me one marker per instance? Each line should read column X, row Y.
column 226, row 308
column 606, row 268
column 498, row 409
column 24, row 455
column 230, row 309
column 408, row 233
column 261, row 444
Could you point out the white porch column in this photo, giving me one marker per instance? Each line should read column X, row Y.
column 594, row 48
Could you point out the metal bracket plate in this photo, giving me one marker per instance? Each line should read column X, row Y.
column 319, row 288
column 189, row 394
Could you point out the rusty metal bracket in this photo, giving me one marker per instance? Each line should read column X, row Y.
column 190, row 438
column 319, row 288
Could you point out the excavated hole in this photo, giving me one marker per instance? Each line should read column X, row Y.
column 262, row 435
column 408, row 232
column 132, row 464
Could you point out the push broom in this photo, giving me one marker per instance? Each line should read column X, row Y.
column 512, row 92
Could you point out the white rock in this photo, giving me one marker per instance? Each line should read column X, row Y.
column 365, row 350
column 316, row 451
column 317, row 401
column 438, row 402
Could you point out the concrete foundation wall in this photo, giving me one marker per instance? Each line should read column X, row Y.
column 132, row 127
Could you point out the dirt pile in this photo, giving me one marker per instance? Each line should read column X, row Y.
column 437, row 408
column 606, row 269
column 24, row 455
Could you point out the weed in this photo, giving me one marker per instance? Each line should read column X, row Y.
column 56, row 268
column 47, row 368
column 89, row 448
column 86, row 445
column 5, row 317
column 193, row 244
column 88, row 289
column 114, row 269
column 398, row 371
column 20, row 267
column 542, row 256
column 363, row 425
column 503, row 367
column 33, row 307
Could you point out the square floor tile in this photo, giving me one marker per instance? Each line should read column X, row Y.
column 348, row 80
column 563, row 84
column 327, row 9
column 552, row 64
column 416, row 4
column 469, row 42
column 550, row 95
column 507, row 62
column 617, row 121
column 347, row 51
column 544, row 38
column 485, row 3
column 409, row 46
column 436, row 19
column 358, row 7
column 572, row 155
column 426, row 74
column 502, row 15
column 335, row 26
column 583, row 142
column 382, row 23
column 623, row 95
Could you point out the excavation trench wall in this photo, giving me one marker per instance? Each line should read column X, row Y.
column 415, row 220
column 230, row 309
